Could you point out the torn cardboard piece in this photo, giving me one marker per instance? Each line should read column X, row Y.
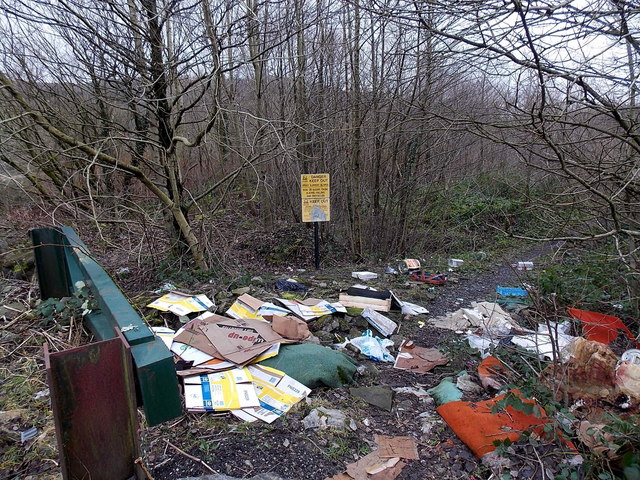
column 290, row 327
column 401, row 447
column 181, row 304
column 488, row 316
column 385, row 462
column 380, row 468
column 384, row 325
column 419, row 359
column 240, row 340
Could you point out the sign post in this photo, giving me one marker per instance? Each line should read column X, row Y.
column 316, row 206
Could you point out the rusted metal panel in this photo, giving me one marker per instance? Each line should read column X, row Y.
column 94, row 409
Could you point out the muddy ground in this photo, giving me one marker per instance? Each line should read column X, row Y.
column 227, row 445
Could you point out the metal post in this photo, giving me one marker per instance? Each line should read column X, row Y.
column 316, row 249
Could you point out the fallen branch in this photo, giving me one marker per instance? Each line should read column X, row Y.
column 195, row 459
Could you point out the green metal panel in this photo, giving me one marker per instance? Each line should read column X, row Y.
column 112, row 302
column 50, row 260
column 157, row 381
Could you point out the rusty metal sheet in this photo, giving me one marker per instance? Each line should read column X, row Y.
column 94, row 409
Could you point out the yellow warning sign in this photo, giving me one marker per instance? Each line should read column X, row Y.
column 316, row 206
column 315, row 185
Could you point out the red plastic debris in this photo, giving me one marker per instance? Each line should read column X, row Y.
column 599, row 327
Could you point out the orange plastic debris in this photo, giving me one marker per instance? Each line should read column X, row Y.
column 599, row 327
column 488, row 372
column 477, row 427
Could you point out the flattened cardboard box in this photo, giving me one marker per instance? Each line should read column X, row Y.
column 227, row 390
column 191, row 334
column 240, row 340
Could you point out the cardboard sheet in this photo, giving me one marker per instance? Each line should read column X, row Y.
column 192, row 336
column 246, row 306
column 401, row 447
column 384, row 325
column 240, row 340
column 229, row 390
column 181, row 304
column 311, row 309
column 277, row 393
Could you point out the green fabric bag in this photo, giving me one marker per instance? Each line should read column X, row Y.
column 314, row 365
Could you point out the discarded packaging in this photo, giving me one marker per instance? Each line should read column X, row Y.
column 373, row 347
column 384, row 325
column 628, row 378
column 600, row 327
column 290, row 286
column 240, row 340
column 401, row 447
column 419, row 359
column 631, row 356
column 363, row 297
column 489, row 316
column 424, row 277
column 522, row 265
column 455, row 262
column 511, row 291
column 246, row 306
column 181, row 303
column 408, row 264
column 228, row 390
column 364, row 275
column 548, row 343
column 277, row 393
column 290, row 327
column 383, row 463
column 165, row 334
column 312, row 308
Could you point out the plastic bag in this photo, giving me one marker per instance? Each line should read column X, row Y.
column 373, row 347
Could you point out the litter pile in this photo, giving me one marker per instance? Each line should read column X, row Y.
column 253, row 361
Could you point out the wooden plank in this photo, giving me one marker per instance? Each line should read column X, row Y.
column 365, row 302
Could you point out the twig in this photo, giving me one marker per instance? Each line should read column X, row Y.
column 3, row 327
column 138, row 461
column 195, row 459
